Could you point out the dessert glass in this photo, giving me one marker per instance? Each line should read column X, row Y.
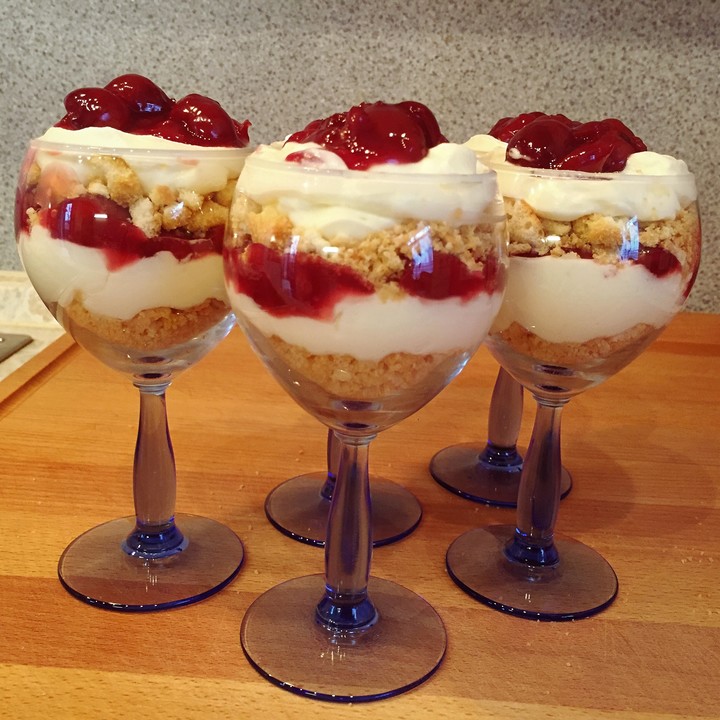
column 299, row 507
column 149, row 303
column 490, row 473
column 337, row 321
column 588, row 297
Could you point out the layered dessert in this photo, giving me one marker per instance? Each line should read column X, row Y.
column 366, row 251
column 604, row 238
column 121, row 212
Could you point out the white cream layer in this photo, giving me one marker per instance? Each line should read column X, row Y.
column 335, row 201
column 59, row 269
column 368, row 328
column 566, row 299
column 651, row 187
column 175, row 165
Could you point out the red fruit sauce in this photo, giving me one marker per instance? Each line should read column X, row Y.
column 558, row 143
column 136, row 105
column 298, row 284
column 94, row 221
column 374, row 133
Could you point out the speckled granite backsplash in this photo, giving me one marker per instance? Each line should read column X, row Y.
column 282, row 63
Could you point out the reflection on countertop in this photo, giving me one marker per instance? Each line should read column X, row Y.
column 22, row 311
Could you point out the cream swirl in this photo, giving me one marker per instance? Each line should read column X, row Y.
column 155, row 160
column 654, row 187
column 320, row 194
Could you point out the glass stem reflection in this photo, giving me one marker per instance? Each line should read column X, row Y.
column 505, row 418
column 539, row 494
column 348, row 545
column 334, row 447
column 155, row 534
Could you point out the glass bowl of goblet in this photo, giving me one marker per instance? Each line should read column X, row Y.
column 299, row 506
column 609, row 262
column 362, row 323
column 124, row 246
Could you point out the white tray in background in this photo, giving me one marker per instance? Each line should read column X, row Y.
column 22, row 311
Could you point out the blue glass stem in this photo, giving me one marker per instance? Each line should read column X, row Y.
column 504, row 420
column 539, row 493
column 154, row 481
column 334, row 447
column 348, row 545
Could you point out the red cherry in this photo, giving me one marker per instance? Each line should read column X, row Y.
column 505, row 128
column 540, row 143
column 387, row 132
column 96, row 107
column 205, row 121
column 147, row 102
column 584, row 132
column 618, row 157
column 241, row 132
column 321, row 131
column 588, row 157
column 428, row 122
column 623, row 131
column 171, row 130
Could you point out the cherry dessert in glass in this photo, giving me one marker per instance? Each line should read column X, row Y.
column 120, row 217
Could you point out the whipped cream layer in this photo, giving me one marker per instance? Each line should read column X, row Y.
column 651, row 187
column 155, row 160
column 320, row 195
column 606, row 299
column 60, row 269
column 369, row 328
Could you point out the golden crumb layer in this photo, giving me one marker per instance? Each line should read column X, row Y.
column 349, row 378
column 602, row 236
column 150, row 330
column 573, row 354
column 379, row 256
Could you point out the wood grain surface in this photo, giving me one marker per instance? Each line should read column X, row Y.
column 644, row 450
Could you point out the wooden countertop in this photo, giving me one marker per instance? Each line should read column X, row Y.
column 644, row 449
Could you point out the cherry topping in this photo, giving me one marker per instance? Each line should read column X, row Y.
column 374, row 133
column 540, row 143
column 428, row 122
column 147, row 102
column 554, row 141
column 136, row 105
column 204, row 120
column 591, row 156
column 96, row 107
column 506, row 127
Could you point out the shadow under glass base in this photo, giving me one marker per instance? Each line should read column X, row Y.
column 95, row 569
column 459, row 469
column 581, row 584
column 298, row 509
column 283, row 641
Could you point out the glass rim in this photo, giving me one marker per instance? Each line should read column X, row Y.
column 310, row 171
column 552, row 174
column 196, row 151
